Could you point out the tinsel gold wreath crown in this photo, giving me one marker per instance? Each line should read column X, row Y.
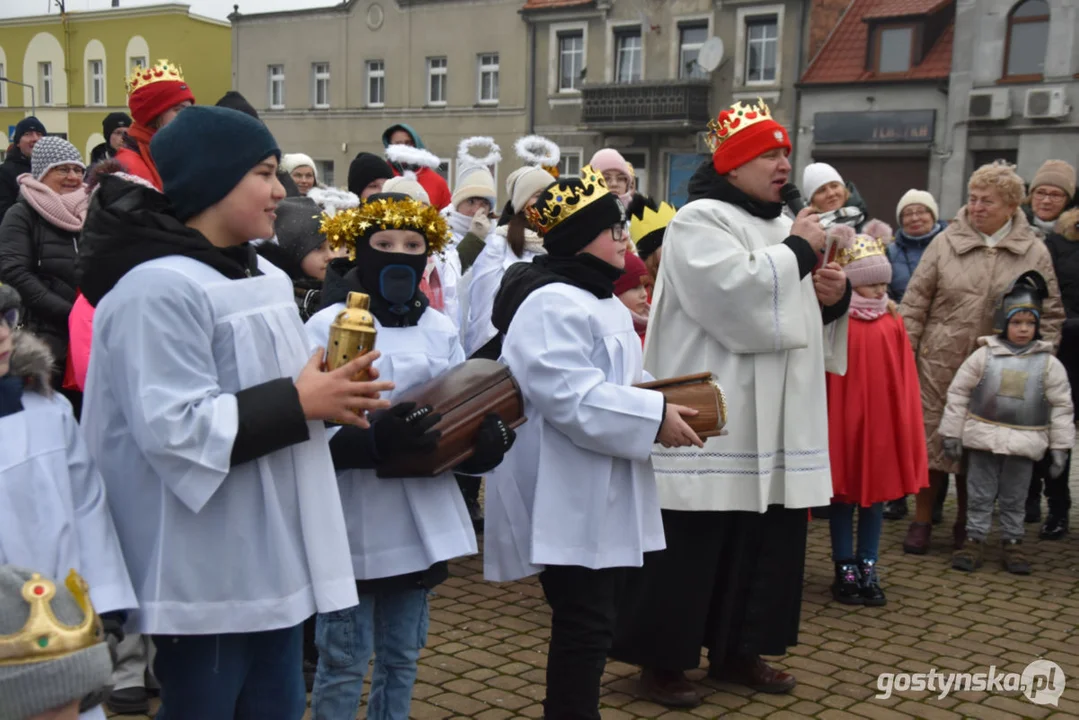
column 649, row 221
column 386, row 214
column 141, row 77
column 565, row 200
column 734, row 120
column 862, row 248
column 44, row 637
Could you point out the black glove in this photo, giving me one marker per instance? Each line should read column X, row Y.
column 493, row 441
column 404, row 429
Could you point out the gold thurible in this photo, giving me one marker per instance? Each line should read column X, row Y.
column 352, row 334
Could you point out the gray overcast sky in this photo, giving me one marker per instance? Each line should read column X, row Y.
column 210, row 8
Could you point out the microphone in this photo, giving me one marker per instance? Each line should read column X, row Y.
column 792, row 197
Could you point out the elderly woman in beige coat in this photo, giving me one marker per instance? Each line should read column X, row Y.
column 949, row 304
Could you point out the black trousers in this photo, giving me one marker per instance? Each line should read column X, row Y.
column 1057, row 492
column 584, row 609
column 470, row 487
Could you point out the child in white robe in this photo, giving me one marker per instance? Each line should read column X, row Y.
column 205, row 412
column 53, row 513
column 576, row 499
column 402, row 531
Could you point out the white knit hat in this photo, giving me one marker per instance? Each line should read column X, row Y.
column 291, row 161
column 407, row 186
column 916, row 197
column 474, row 181
column 816, row 176
column 524, row 182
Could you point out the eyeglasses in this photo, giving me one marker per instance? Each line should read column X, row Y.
column 10, row 318
column 67, row 170
column 618, row 231
column 915, row 212
column 1049, row 195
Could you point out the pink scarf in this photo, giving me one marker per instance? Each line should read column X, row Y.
column 67, row 212
column 864, row 308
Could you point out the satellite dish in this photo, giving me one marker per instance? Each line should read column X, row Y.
column 711, row 54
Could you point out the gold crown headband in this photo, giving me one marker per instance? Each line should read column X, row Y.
column 141, row 77
column 566, row 199
column 650, row 221
column 862, row 248
column 346, row 226
column 734, row 120
column 44, row 637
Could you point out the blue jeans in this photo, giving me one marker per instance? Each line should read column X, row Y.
column 841, row 524
column 393, row 625
column 231, row 677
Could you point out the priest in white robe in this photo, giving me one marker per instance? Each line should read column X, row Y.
column 739, row 294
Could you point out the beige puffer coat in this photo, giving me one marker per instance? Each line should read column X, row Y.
column 977, row 434
column 950, row 302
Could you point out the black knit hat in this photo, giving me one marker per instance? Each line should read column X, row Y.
column 365, row 169
column 114, row 121
column 297, row 227
column 567, row 230
column 235, row 101
column 27, row 124
column 650, row 243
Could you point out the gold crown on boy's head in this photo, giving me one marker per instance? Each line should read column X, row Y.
column 735, row 119
column 164, row 70
column 564, row 198
column 863, row 247
column 43, row 637
column 650, row 221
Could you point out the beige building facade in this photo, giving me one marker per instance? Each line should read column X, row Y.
column 329, row 81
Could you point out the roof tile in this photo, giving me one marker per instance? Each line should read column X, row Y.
column 904, row 8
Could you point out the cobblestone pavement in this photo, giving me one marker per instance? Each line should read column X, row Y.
column 486, row 653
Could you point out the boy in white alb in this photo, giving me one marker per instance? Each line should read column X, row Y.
column 576, row 499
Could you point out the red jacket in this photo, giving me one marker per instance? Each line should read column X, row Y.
column 437, row 189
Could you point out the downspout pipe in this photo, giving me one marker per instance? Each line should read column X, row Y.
column 532, row 77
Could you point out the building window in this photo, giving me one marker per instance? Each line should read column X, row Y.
column 627, row 56
column 570, row 61
column 136, row 61
column 570, row 164
column 321, row 84
column 44, row 82
column 325, row 172
column 894, row 49
column 95, row 70
column 1028, row 37
column 436, row 81
column 762, row 46
column 376, row 83
column 488, row 81
column 690, row 40
column 277, row 87
column 3, row 87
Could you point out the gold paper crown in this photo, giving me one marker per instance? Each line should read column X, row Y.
column 863, row 247
column 562, row 200
column 141, row 77
column 734, row 120
column 649, row 221
column 346, row 226
column 44, row 637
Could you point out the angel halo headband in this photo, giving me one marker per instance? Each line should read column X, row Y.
column 538, row 150
column 465, row 158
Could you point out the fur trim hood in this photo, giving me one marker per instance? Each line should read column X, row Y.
column 1068, row 225
column 31, row 359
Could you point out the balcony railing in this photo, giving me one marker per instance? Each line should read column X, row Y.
column 666, row 103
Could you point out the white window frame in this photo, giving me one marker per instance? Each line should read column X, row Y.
column 554, row 58
column 614, row 27
column 44, row 80
column 567, row 153
column 320, row 76
column 433, row 70
column 136, row 61
column 676, row 42
column 95, row 82
column 449, row 178
column 275, row 75
column 373, row 73
column 743, row 17
column 325, row 169
column 487, row 68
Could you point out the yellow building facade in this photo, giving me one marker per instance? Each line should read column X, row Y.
column 72, row 68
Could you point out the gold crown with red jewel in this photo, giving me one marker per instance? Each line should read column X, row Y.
column 734, row 120
column 161, row 72
column 565, row 198
column 43, row 637
column 864, row 246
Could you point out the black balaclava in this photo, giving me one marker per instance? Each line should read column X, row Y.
column 394, row 276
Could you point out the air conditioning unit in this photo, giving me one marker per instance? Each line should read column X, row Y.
column 1045, row 103
column 991, row 104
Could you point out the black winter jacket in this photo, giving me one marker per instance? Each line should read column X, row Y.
column 1064, row 249
column 14, row 165
column 38, row 259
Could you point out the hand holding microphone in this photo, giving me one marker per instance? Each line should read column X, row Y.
column 807, row 222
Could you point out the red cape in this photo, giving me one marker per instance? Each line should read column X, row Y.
column 876, row 436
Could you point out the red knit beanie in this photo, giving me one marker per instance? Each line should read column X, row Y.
column 742, row 133
column 634, row 275
column 153, row 90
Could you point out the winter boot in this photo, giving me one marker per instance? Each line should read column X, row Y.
column 1013, row 559
column 969, row 557
column 1055, row 527
column 869, row 584
column 845, row 587
column 895, row 509
column 917, row 540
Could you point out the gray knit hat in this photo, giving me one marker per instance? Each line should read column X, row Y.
column 36, row 687
column 51, row 151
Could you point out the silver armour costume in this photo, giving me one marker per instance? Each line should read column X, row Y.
column 1012, row 391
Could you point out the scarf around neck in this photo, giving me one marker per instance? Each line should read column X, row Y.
column 141, row 136
column 583, row 270
column 864, row 308
column 67, row 212
column 707, row 183
column 458, row 222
